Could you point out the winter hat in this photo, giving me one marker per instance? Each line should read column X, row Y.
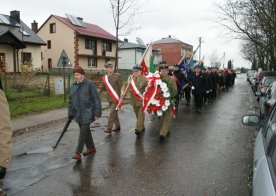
column 78, row 69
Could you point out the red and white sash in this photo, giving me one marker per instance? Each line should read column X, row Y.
column 135, row 91
column 110, row 89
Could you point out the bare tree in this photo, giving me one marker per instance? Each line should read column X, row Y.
column 214, row 60
column 252, row 21
column 124, row 12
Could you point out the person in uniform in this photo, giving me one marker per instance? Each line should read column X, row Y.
column 6, row 132
column 166, row 117
column 178, row 77
column 198, row 83
column 213, row 84
column 137, row 86
column 85, row 107
column 112, row 82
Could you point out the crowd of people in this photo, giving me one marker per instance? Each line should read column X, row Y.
column 204, row 84
column 157, row 93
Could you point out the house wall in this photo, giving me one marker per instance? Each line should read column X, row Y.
column 128, row 58
column 62, row 39
column 36, row 55
column 172, row 52
column 8, row 51
column 84, row 54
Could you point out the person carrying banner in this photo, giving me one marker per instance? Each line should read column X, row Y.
column 112, row 82
column 137, row 86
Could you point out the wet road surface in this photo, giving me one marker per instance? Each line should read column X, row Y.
column 208, row 154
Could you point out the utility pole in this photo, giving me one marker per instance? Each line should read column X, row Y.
column 199, row 53
column 223, row 59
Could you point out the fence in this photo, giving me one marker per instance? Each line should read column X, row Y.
column 50, row 83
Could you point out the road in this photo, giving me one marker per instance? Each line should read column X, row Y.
column 208, row 154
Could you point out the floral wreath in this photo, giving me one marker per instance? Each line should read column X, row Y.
column 157, row 96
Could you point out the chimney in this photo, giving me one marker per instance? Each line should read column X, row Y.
column 79, row 18
column 125, row 40
column 34, row 26
column 15, row 15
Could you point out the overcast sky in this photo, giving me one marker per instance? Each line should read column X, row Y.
column 186, row 20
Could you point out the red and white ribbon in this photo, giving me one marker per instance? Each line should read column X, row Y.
column 149, row 94
column 135, row 91
column 110, row 89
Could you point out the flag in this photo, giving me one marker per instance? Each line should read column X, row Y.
column 147, row 61
column 152, row 66
column 145, row 69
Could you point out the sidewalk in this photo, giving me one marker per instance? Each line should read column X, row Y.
column 28, row 121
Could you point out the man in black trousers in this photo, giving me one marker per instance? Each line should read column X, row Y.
column 198, row 83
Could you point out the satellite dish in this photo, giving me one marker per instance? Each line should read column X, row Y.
column 140, row 41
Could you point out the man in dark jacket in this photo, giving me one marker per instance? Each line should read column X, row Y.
column 198, row 83
column 84, row 107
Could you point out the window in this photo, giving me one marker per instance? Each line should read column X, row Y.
column 91, row 44
column 106, row 46
column 26, row 57
column 52, row 27
column 49, row 63
column 92, row 62
column 49, row 44
column 2, row 61
column 24, row 32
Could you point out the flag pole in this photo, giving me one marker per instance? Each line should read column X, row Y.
column 185, row 54
column 144, row 54
column 124, row 92
column 130, row 78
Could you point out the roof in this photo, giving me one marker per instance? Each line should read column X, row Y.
column 130, row 45
column 31, row 38
column 169, row 40
column 89, row 29
column 7, row 37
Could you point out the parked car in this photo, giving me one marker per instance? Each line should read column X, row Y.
column 264, row 163
column 260, row 76
column 265, row 83
column 250, row 73
column 267, row 100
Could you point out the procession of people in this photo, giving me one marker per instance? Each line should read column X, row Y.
column 160, row 93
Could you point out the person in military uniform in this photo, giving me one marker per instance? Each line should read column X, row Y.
column 166, row 117
column 179, row 79
column 137, row 86
column 112, row 82
column 199, row 87
column 5, row 132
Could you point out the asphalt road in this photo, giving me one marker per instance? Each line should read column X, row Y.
column 208, row 154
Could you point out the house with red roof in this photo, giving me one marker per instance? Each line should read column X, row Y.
column 73, row 42
column 172, row 49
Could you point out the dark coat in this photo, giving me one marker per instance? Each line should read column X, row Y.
column 213, row 81
column 84, row 102
column 199, row 82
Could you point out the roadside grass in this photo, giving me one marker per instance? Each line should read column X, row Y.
column 35, row 105
column 33, row 101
